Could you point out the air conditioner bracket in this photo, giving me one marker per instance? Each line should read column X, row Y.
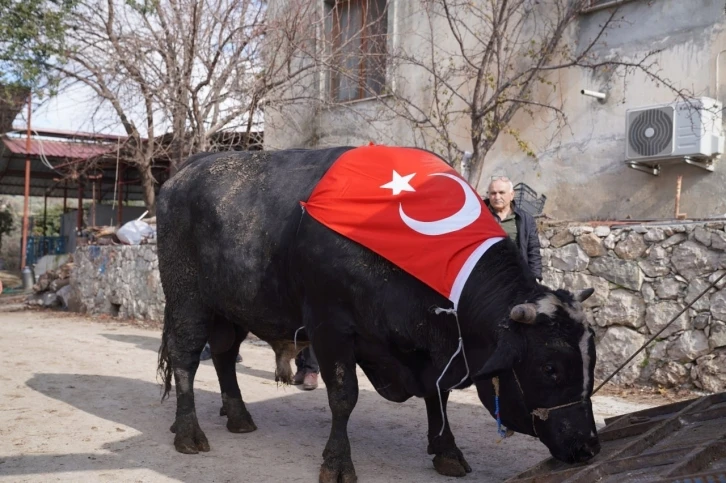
column 646, row 168
column 706, row 164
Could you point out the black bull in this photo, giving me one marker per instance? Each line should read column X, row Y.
column 237, row 255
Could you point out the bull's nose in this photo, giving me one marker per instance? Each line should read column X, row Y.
column 588, row 450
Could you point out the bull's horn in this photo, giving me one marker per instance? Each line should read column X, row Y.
column 582, row 295
column 524, row 313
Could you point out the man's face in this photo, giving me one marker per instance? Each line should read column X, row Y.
column 500, row 194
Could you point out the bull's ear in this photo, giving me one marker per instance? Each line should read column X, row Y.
column 582, row 295
column 503, row 359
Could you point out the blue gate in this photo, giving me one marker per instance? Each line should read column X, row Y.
column 38, row 246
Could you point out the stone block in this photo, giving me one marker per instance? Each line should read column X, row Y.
column 718, row 240
column 625, row 273
column 631, row 247
column 580, row 281
column 691, row 345
column 552, row 279
column 655, row 234
column 702, row 236
column 695, row 288
column 570, row 258
column 674, row 240
column 591, row 245
column 562, row 238
column 671, row 374
column 659, row 314
column 657, row 268
column 717, row 335
column 692, row 259
column 617, row 345
column 622, row 308
column 669, row 288
column 580, row 230
column 602, row 231
column 718, row 305
column 709, row 372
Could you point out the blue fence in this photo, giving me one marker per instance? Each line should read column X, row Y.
column 39, row 246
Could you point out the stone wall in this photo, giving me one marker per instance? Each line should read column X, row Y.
column 118, row 280
column 643, row 275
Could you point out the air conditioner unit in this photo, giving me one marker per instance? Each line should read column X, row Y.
column 688, row 131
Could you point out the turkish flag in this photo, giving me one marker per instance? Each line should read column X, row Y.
column 411, row 208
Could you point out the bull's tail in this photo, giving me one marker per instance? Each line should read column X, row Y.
column 164, row 370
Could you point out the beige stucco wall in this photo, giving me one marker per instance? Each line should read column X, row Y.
column 579, row 167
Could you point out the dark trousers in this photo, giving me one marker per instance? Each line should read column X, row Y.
column 306, row 361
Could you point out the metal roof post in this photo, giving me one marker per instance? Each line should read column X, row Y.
column 26, row 202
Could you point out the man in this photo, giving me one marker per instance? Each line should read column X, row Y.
column 307, row 369
column 518, row 224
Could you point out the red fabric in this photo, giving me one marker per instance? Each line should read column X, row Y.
column 410, row 207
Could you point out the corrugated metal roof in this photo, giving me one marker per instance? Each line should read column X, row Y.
column 681, row 442
column 58, row 149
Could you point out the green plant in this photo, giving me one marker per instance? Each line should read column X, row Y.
column 7, row 220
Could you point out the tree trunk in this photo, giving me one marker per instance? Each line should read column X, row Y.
column 147, row 183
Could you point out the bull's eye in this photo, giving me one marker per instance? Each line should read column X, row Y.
column 550, row 371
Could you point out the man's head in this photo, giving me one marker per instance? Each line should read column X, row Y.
column 501, row 192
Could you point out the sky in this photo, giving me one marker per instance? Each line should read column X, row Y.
column 72, row 110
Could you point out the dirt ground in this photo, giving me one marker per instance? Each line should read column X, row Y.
column 79, row 401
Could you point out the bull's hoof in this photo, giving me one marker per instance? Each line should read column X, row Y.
column 191, row 445
column 189, row 439
column 243, row 426
column 239, row 419
column 223, row 411
column 451, row 463
column 344, row 473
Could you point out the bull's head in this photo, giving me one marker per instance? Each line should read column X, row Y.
column 545, row 359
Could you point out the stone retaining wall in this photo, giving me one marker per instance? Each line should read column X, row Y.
column 643, row 276
column 118, row 280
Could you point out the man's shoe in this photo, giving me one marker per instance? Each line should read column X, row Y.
column 298, row 378
column 311, row 381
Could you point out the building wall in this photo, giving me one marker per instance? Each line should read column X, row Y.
column 579, row 167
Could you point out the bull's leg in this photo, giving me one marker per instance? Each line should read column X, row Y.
column 335, row 353
column 186, row 341
column 238, row 418
column 448, row 459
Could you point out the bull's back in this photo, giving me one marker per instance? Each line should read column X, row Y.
column 231, row 217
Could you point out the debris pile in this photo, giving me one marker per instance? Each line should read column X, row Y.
column 53, row 287
column 136, row 232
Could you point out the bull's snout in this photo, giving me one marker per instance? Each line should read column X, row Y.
column 586, row 451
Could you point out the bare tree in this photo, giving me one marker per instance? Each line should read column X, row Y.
column 481, row 62
column 177, row 74
column 488, row 61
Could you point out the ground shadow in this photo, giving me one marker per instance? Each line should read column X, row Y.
column 152, row 344
column 293, row 429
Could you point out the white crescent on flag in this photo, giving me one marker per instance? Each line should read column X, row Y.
column 468, row 214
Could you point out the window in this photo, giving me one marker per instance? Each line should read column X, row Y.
column 356, row 31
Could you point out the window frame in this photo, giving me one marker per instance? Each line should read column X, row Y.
column 332, row 83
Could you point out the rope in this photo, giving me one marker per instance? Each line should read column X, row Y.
column 460, row 348
column 500, row 430
column 294, row 337
column 659, row 332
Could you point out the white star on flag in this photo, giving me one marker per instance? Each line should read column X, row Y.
column 399, row 183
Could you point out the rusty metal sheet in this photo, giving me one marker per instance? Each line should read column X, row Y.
column 684, row 442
